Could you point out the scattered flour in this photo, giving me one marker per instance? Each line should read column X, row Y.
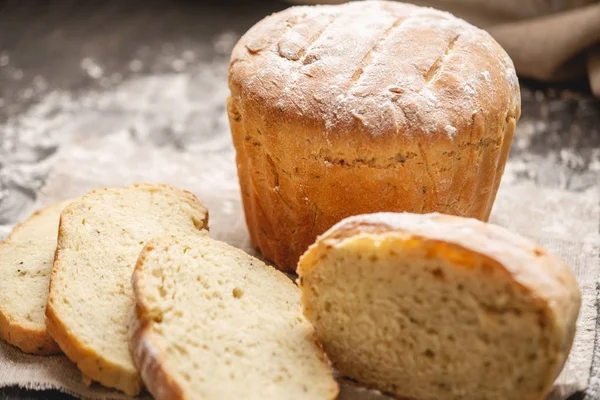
column 450, row 130
column 486, row 76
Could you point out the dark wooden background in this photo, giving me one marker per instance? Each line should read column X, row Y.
column 76, row 46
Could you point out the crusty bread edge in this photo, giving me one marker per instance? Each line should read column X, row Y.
column 88, row 361
column 156, row 379
column 31, row 341
column 148, row 361
column 28, row 340
column 191, row 197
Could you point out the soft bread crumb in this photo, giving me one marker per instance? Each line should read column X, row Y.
column 99, row 241
column 213, row 322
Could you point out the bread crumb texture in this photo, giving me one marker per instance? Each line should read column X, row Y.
column 212, row 322
column 99, row 241
column 436, row 307
column 26, row 258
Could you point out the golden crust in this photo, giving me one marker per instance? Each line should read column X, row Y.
column 149, row 363
column 27, row 340
column 158, row 381
column 355, row 68
column 529, row 263
column 334, row 113
column 90, row 363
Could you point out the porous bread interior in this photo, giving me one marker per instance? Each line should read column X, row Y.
column 428, row 320
column 224, row 325
column 100, row 238
column 26, row 258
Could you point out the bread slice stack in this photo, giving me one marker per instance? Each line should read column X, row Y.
column 99, row 240
column 207, row 320
column 212, row 322
column 26, row 258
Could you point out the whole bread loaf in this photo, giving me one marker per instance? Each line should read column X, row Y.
column 435, row 307
column 212, row 322
column 26, row 258
column 99, row 240
column 364, row 107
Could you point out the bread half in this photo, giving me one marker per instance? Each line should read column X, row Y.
column 26, row 257
column 212, row 322
column 434, row 307
column 99, row 241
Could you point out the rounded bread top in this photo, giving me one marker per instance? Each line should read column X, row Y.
column 379, row 67
column 530, row 266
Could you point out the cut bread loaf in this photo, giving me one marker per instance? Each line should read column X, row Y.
column 434, row 307
column 212, row 322
column 99, row 241
column 26, row 257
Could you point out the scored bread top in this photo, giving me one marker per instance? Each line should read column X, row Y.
column 530, row 266
column 99, row 241
column 213, row 322
column 383, row 69
column 26, row 258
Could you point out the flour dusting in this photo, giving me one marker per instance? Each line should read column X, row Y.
column 450, row 130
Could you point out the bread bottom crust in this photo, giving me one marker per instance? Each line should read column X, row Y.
column 89, row 362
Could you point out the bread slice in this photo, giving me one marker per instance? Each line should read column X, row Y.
column 436, row 307
column 26, row 257
column 99, row 241
column 212, row 322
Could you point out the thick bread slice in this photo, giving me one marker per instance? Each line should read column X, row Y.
column 436, row 307
column 212, row 322
column 26, row 257
column 99, row 241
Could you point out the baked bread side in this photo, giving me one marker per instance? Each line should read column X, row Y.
column 26, row 258
column 99, row 240
column 438, row 307
column 212, row 322
column 364, row 107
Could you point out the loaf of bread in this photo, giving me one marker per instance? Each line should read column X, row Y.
column 212, row 322
column 437, row 307
column 364, row 107
column 99, row 240
column 26, row 258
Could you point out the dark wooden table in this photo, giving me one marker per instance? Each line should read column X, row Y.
column 75, row 46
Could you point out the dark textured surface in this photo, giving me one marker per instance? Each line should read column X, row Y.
column 15, row 393
column 74, row 47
